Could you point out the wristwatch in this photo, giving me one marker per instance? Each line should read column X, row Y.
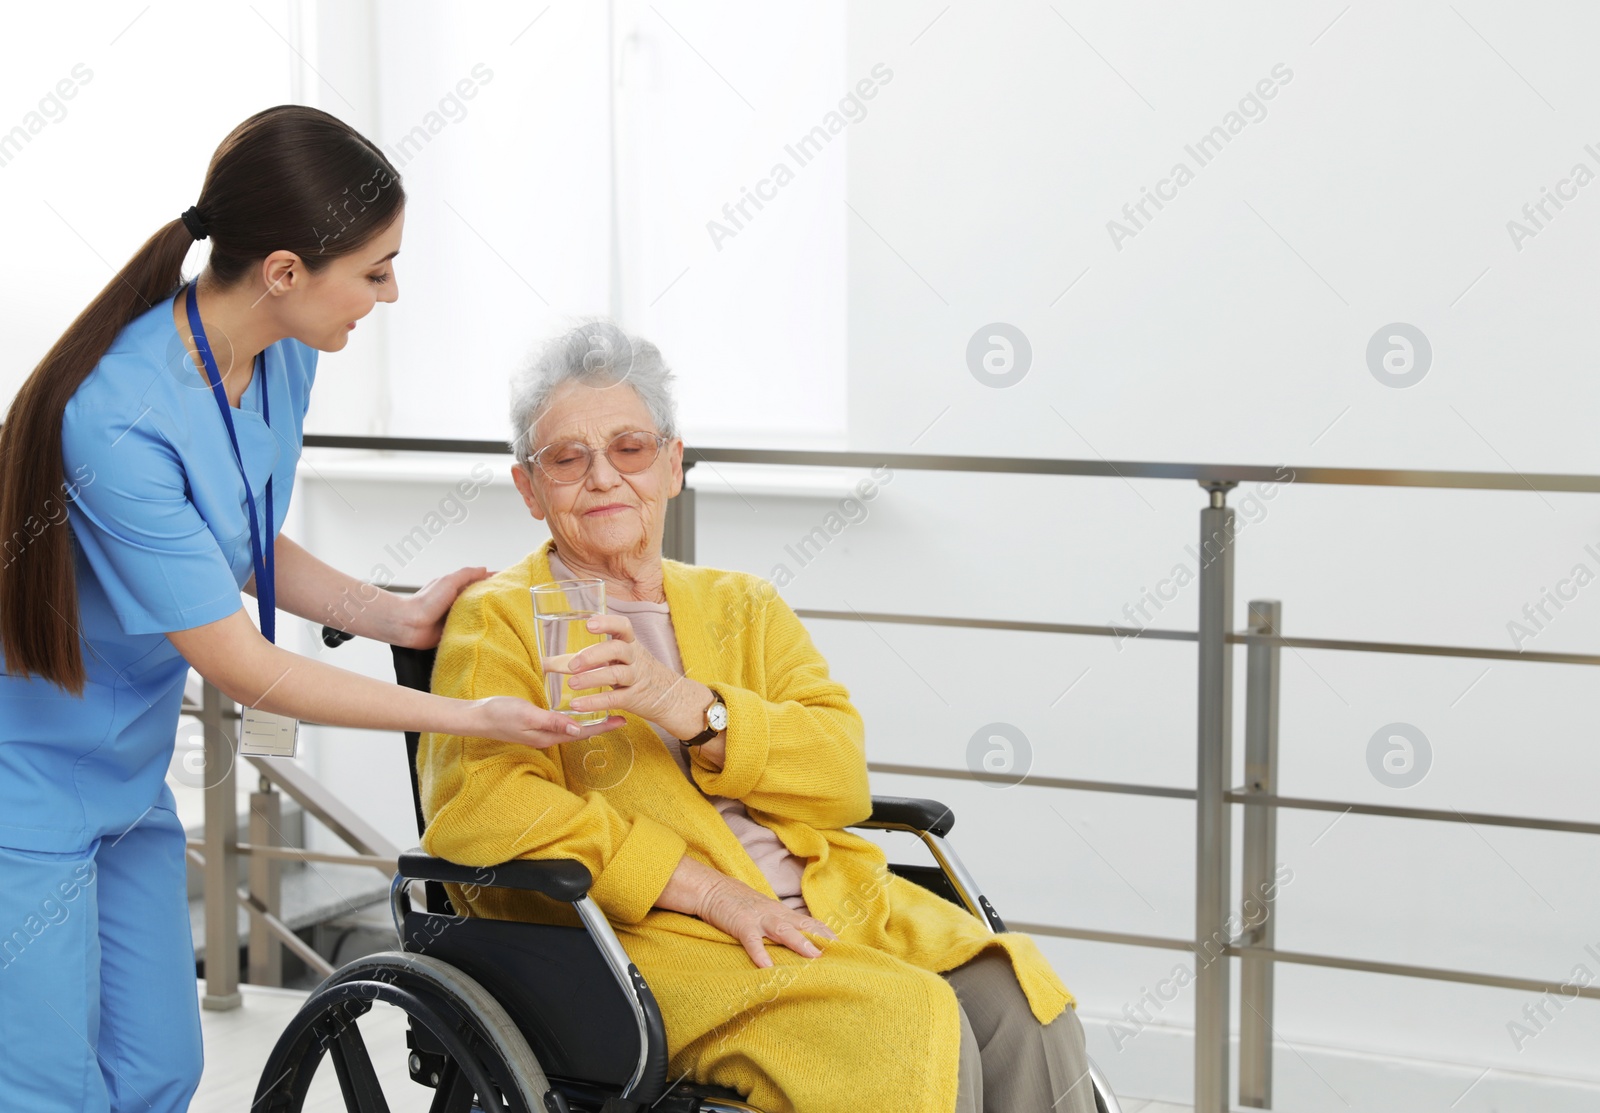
column 716, row 722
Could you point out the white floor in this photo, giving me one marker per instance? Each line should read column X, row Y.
column 238, row 1042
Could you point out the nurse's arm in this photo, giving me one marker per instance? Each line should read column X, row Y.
column 251, row 671
column 314, row 590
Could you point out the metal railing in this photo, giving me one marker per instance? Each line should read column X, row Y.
column 219, row 851
column 1213, row 795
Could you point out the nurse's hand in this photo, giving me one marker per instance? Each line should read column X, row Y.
column 420, row 617
column 508, row 719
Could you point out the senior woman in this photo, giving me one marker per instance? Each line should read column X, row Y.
column 712, row 814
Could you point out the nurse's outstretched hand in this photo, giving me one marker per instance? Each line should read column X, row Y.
column 422, row 614
column 508, row 719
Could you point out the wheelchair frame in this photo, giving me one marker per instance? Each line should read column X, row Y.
column 467, row 1040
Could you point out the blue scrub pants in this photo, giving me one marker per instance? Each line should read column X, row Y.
column 98, row 1004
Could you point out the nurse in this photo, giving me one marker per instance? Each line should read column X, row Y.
column 145, row 470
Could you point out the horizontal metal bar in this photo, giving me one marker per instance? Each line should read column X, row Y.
column 1093, row 630
column 1242, row 796
column 1414, row 648
column 274, row 925
column 1405, row 970
column 1190, row 635
column 297, row 854
column 318, row 800
column 999, row 624
column 1028, row 465
column 1239, row 638
column 195, row 709
column 406, row 444
column 1397, row 969
column 1031, row 781
column 1160, row 941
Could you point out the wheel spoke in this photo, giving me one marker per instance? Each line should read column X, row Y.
column 454, row 1092
column 471, row 1043
column 357, row 1079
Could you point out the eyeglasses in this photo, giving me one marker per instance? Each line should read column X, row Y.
column 570, row 461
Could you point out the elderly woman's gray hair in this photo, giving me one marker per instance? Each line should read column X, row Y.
column 596, row 353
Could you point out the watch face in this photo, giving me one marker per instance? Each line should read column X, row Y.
column 717, row 716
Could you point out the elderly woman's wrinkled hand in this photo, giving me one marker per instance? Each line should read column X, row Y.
column 752, row 917
column 639, row 682
column 733, row 907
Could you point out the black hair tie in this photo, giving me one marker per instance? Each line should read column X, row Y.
column 191, row 220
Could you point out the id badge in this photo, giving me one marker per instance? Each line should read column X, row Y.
column 263, row 734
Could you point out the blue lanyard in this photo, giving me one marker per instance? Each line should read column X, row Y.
column 266, row 594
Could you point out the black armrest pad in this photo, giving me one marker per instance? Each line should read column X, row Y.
column 333, row 638
column 559, row 878
column 908, row 811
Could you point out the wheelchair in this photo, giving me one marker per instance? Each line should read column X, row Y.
column 530, row 1017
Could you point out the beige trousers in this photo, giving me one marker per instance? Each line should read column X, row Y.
column 1010, row 1063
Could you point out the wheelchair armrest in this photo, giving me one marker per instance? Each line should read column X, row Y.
column 559, row 878
column 897, row 812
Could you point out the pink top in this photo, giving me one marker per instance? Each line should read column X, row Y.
column 652, row 627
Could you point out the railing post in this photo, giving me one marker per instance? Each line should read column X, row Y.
column 266, row 820
column 222, row 857
column 1213, row 827
column 677, row 542
column 1257, row 882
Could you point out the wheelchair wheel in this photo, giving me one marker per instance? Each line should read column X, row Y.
column 463, row 1045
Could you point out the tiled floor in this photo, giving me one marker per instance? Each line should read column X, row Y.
column 239, row 1041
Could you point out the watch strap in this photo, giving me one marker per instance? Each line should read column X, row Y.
column 710, row 732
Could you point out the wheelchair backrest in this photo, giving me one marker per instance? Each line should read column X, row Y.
column 413, row 668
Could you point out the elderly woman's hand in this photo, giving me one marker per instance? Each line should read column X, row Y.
column 730, row 905
column 639, row 682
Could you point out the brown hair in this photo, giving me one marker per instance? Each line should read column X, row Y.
column 288, row 178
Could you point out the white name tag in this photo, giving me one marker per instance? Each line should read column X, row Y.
column 263, row 734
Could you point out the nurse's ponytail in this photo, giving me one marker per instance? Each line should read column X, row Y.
column 288, row 178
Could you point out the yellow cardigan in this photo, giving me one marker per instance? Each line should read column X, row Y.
column 869, row 1024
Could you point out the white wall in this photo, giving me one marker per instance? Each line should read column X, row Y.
column 1233, row 327
column 120, row 148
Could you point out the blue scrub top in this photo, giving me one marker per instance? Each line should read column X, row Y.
column 161, row 539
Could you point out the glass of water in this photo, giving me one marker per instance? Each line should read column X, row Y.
column 561, row 612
